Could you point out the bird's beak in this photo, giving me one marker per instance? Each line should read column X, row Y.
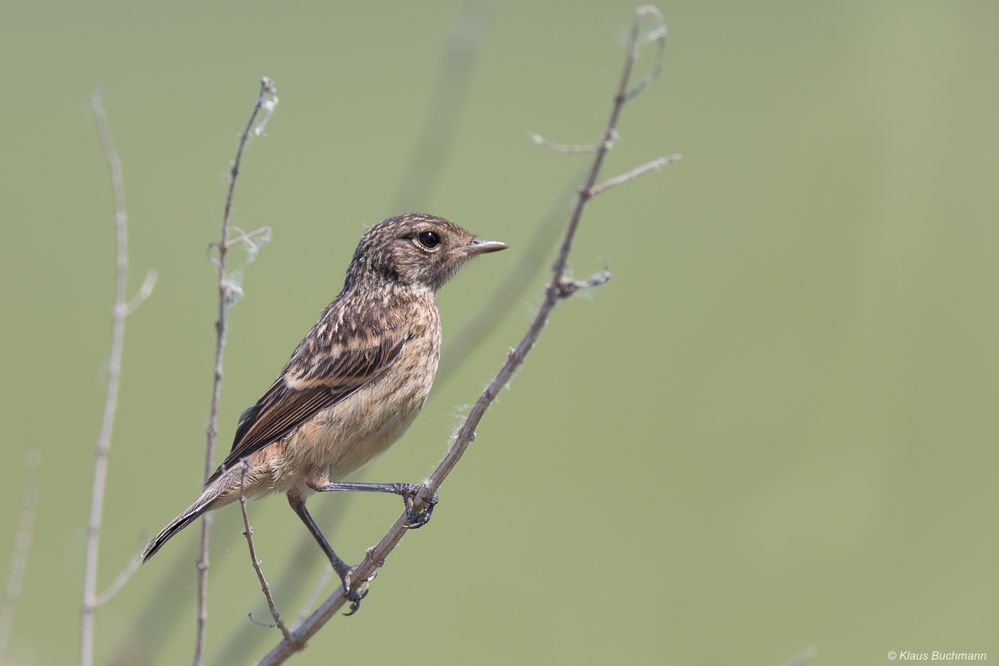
column 482, row 246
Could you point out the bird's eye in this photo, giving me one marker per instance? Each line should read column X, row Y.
column 428, row 239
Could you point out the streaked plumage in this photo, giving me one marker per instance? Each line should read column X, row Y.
column 357, row 380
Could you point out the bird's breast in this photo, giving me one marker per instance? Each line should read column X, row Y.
column 349, row 434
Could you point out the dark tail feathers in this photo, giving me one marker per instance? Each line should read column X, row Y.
column 192, row 513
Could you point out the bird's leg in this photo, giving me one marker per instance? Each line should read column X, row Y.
column 408, row 491
column 342, row 568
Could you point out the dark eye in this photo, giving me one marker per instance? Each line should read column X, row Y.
column 428, row 239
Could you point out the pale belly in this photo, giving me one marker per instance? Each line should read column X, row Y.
column 342, row 438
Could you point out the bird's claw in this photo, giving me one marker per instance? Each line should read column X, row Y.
column 418, row 519
column 354, row 596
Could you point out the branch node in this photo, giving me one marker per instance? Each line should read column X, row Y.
column 373, row 557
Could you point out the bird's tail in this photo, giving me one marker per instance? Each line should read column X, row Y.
column 204, row 503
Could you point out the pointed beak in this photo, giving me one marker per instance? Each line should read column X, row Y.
column 482, row 246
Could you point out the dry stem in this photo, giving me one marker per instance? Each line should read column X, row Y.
column 568, row 148
column 248, row 533
column 22, row 546
column 555, row 291
column 632, row 174
column 122, row 308
column 266, row 101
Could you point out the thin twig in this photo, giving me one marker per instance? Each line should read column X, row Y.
column 375, row 556
column 569, row 148
column 122, row 308
column 22, row 547
column 310, row 601
column 632, row 174
column 248, row 533
column 266, row 100
column 241, row 644
column 119, row 581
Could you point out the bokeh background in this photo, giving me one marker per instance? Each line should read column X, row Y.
column 775, row 428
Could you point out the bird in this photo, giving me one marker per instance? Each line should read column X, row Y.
column 352, row 386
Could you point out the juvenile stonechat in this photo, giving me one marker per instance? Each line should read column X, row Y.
column 353, row 385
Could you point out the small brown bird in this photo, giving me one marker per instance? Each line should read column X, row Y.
column 353, row 385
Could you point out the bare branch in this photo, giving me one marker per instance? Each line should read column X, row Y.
column 119, row 581
column 654, row 165
column 120, row 312
column 310, row 601
column 266, row 101
column 510, row 288
column 22, row 546
column 376, row 555
column 248, row 533
column 145, row 291
column 569, row 149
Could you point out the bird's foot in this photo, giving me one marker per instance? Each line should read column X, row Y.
column 354, row 595
column 418, row 516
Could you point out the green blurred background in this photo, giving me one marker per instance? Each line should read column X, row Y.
column 775, row 428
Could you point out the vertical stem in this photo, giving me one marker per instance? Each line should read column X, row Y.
column 266, row 96
column 113, row 383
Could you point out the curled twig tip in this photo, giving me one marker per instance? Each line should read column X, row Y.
column 140, row 297
column 636, row 40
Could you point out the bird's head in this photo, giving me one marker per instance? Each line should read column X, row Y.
column 415, row 249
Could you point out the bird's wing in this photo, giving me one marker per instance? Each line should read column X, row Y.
column 318, row 381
